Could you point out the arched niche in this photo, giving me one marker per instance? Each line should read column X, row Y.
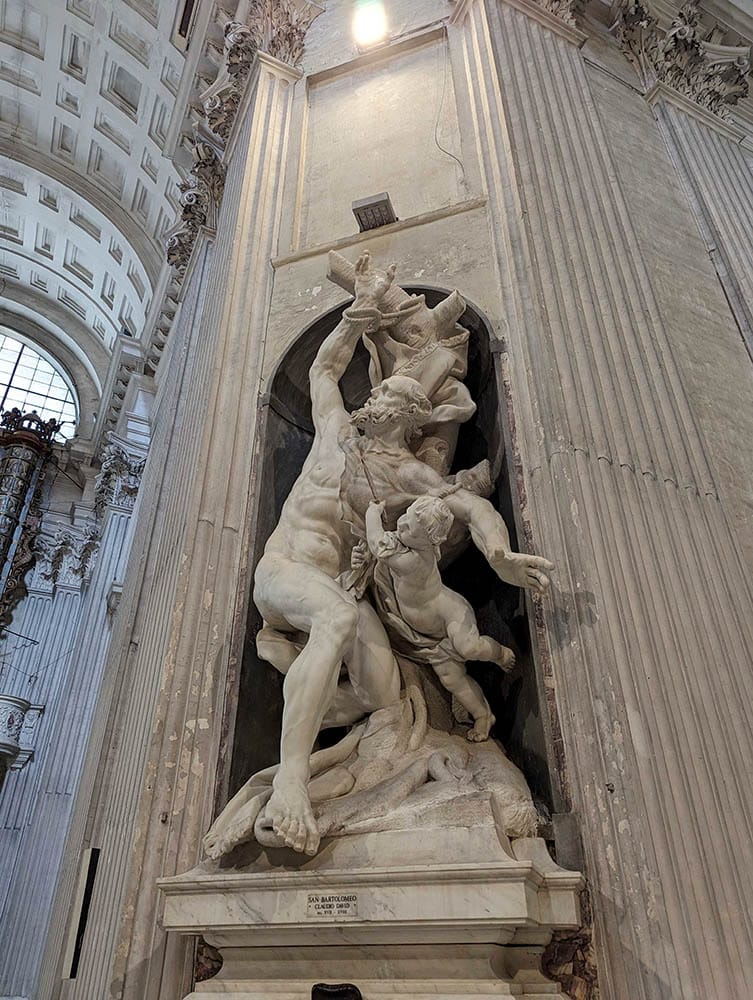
column 285, row 437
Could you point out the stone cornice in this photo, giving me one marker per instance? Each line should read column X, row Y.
column 687, row 57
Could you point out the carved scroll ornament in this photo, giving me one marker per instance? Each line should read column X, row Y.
column 714, row 76
column 200, row 197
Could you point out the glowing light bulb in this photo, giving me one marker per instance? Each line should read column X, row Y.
column 369, row 23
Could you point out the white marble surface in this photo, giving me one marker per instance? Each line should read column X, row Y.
column 395, row 924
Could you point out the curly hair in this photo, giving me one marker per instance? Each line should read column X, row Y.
column 434, row 516
column 418, row 407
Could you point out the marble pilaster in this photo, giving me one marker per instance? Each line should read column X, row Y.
column 617, row 485
column 149, row 813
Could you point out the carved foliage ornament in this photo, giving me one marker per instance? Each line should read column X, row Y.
column 566, row 10
column 275, row 26
column 712, row 75
column 118, row 481
column 200, row 196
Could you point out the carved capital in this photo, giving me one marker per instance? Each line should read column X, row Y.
column 118, row 481
column 65, row 560
column 200, row 197
column 683, row 57
column 568, row 11
column 277, row 27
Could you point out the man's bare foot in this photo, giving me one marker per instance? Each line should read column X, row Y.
column 224, row 835
column 481, row 728
column 290, row 816
column 506, row 659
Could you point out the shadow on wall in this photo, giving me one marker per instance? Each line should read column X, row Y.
column 285, row 439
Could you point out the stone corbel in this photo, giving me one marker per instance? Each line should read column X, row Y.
column 687, row 57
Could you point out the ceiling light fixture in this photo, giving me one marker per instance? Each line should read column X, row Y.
column 369, row 23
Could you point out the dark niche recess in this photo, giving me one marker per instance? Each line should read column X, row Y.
column 285, row 438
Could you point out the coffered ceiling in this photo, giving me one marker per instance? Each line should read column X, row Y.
column 88, row 185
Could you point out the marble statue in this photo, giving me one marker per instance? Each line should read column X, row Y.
column 436, row 624
column 324, row 596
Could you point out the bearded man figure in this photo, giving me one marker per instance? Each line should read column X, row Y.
column 312, row 623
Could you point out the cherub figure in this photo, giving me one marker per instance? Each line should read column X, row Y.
column 428, row 621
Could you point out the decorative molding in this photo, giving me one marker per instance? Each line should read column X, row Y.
column 710, row 74
column 277, row 27
column 200, row 197
column 117, row 484
column 163, row 324
column 130, row 362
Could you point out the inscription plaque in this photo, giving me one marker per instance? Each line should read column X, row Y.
column 332, row 904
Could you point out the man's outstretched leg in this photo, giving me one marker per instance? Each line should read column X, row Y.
column 295, row 596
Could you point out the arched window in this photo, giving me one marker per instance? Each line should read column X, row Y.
column 32, row 381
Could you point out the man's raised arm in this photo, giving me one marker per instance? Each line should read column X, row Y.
column 336, row 352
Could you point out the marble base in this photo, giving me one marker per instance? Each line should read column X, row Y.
column 382, row 911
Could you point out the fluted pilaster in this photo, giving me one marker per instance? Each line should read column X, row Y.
column 647, row 633
column 718, row 176
column 156, row 801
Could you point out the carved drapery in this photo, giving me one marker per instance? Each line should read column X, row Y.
column 712, row 75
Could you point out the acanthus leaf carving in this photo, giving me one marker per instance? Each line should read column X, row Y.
column 65, row 559
column 118, row 481
column 712, row 75
column 277, row 27
column 200, row 197
column 568, row 11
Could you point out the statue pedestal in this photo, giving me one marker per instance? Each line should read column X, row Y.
column 384, row 912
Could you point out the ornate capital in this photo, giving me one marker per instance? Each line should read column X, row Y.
column 568, row 11
column 12, row 714
column 118, row 481
column 712, row 75
column 200, row 197
column 66, row 559
column 277, row 27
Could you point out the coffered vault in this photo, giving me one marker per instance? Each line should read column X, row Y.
column 95, row 135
